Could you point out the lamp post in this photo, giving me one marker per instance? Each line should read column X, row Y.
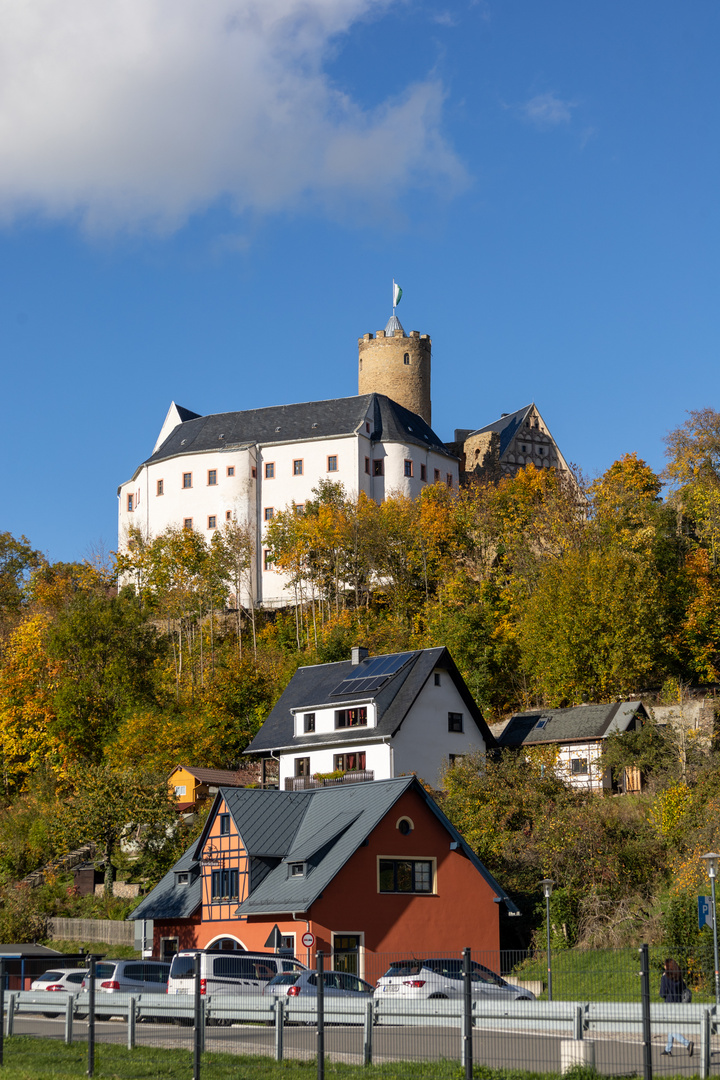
column 547, row 886
column 711, row 861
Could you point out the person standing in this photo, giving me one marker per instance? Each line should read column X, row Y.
column 673, row 991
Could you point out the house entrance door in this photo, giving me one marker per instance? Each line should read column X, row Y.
column 347, row 953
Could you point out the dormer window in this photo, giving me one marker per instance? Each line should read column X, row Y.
column 182, row 877
column 297, row 869
column 309, row 722
column 351, row 717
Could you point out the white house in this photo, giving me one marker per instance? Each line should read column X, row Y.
column 373, row 718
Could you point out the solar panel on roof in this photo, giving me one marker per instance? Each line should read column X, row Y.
column 371, row 674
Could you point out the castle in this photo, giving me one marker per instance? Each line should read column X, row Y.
column 245, row 466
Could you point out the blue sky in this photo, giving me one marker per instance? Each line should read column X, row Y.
column 208, row 203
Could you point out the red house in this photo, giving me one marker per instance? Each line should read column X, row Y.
column 366, row 869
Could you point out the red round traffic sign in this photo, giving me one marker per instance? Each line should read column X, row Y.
column 308, row 940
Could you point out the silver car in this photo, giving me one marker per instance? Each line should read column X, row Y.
column 335, row 984
column 128, row 977
column 443, row 978
column 65, row 980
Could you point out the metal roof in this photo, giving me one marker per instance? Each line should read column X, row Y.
column 582, row 722
column 168, row 900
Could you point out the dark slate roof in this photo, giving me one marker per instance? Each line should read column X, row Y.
column 186, row 414
column 168, row 900
column 580, row 723
column 506, row 427
column 293, row 423
column 314, row 686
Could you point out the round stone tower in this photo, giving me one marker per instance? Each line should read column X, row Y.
column 397, row 365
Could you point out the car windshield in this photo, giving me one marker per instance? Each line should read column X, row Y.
column 104, row 971
column 182, row 967
column 404, row 967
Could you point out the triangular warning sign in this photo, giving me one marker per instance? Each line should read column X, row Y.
column 275, row 939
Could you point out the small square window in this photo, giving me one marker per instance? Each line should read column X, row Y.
column 406, row 358
column 269, row 512
column 449, row 480
column 224, row 824
column 309, row 722
column 408, row 467
column 297, row 869
column 212, row 477
column 579, row 766
column 302, row 766
column 187, row 523
column 267, row 559
column 129, row 502
column 160, row 487
column 228, row 515
column 298, row 467
column 253, row 472
column 455, row 721
column 269, row 470
column 423, row 472
column 332, row 463
column 299, row 508
column 437, row 678
column 367, row 465
column 378, row 468
column 212, row 522
column 187, row 479
column 436, row 473
column 231, row 470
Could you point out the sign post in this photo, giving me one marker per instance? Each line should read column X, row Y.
column 307, row 940
column 705, row 912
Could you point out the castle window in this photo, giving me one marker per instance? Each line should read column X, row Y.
column 423, row 472
column 231, row 470
column 187, row 479
column 436, row 473
column 408, row 467
column 332, row 463
column 253, row 473
column 130, row 502
column 378, row 468
column 523, row 449
column 298, row 467
column 212, row 521
column 406, row 358
column 269, row 470
column 187, row 523
column 269, row 512
column 212, row 477
column 160, row 487
column 367, row 465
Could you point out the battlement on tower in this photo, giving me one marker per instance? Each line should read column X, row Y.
column 398, row 366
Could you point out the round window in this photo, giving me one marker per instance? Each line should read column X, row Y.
column 405, row 826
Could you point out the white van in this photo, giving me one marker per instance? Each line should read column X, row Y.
column 223, row 972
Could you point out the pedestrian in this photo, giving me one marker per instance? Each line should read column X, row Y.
column 673, row 991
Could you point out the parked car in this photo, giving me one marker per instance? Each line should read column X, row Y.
column 443, row 978
column 335, row 984
column 223, row 972
column 128, row 977
column 66, row 980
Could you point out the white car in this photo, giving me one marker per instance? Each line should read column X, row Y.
column 335, row 984
column 66, row 980
column 443, row 978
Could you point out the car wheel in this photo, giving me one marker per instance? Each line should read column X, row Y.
column 102, row 1016
column 51, row 1016
column 436, row 996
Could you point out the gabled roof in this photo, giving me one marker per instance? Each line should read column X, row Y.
column 315, row 686
column 578, row 724
column 507, row 426
column 295, row 423
column 218, row 777
column 168, row 900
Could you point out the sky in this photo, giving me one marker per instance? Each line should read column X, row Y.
column 208, row 202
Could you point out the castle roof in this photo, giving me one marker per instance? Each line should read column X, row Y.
column 306, row 421
column 393, row 326
column 507, row 426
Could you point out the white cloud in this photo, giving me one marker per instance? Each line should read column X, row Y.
column 127, row 113
column 547, row 110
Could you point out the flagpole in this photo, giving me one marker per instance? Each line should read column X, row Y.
column 393, row 297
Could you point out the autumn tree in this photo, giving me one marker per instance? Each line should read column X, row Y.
column 17, row 560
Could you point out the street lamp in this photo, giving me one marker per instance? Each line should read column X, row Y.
column 547, row 886
column 711, row 861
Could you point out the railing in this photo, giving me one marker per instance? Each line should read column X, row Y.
column 307, row 783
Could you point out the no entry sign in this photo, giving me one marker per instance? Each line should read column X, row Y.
column 308, row 940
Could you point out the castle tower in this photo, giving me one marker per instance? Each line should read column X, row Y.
column 397, row 365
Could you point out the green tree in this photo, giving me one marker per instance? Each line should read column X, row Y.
column 17, row 560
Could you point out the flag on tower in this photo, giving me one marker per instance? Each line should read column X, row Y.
column 397, row 294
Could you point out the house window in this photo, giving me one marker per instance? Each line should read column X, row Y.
column 449, row 480
column 351, row 717
column 332, row 463
column 405, row 875
column 367, row 427
column 269, row 513
column 302, row 766
column 579, row 766
column 405, row 826
column 224, row 885
column 187, row 523
column 378, row 468
column 309, row 722
column 297, row 869
column 187, row 479
column 180, row 789
column 224, row 824
column 423, row 472
column 183, row 877
column 406, row 358
column 130, row 502
column 436, row 473
column 437, row 678
column 269, row 470
column 455, row 721
column 228, row 515
column 212, row 477
column 297, row 467
column 408, row 467
column 267, row 559
column 212, row 521
column 231, row 470
column 299, row 508
column 349, row 762
column 160, row 487
column 367, row 465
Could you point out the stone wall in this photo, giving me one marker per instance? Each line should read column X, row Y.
column 398, row 367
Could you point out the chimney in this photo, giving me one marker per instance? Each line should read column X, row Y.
column 358, row 653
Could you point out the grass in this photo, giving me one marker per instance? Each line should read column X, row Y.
column 28, row 1058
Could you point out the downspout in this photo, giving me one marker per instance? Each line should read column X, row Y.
column 296, row 918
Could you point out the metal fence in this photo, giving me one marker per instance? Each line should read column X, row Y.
column 439, row 1013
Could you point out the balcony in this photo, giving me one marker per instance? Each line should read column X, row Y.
column 307, row 783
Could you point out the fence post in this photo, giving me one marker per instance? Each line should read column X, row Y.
column 197, row 1018
column 467, row 1047
column 320, row 1016
column 2, row 1009
column 368, row 1033
column 578, row 1022
column 69, row 1014
column 10, row 1015
column 705, row 1043
column 279, row 1028
column 131, row 1024
column 91, row 1018
column 645, row 998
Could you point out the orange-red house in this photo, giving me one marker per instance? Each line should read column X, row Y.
column 367, row 869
